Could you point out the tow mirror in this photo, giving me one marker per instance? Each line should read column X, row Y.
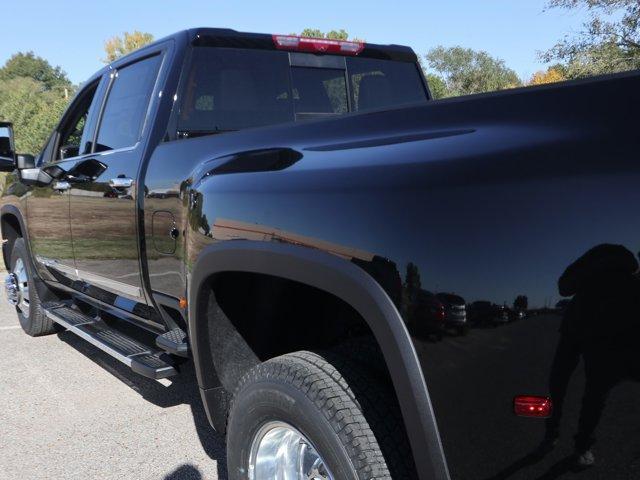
column 35, row 176
column 38, row 177
column 7, row 149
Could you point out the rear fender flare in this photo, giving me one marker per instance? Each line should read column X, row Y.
column 354, row 286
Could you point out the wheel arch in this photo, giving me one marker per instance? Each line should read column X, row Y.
column 13, row 227
column 349, row 283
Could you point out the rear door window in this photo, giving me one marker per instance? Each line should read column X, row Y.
column 127, row 103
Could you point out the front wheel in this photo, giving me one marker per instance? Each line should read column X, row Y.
column 22, row 293
column 297, row 417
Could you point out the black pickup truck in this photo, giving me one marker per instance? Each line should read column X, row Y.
column 275, row 208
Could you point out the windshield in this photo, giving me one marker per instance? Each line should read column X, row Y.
column 230, row 89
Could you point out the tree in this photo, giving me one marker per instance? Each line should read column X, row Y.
column 333, row 34
column 551, row 75
column 437, row 86
column 412, row 282
column 466, row 71
column 521, row 303
column 33, row 109
column 118, row 46
column 609, row 41
column 33, row 95
column 37, row 68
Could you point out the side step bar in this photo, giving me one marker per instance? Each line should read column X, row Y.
column 139, row 357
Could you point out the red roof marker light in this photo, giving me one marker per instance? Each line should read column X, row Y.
column 317, row 45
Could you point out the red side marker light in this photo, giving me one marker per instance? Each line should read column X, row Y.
column 317, row 45
column 532, row 406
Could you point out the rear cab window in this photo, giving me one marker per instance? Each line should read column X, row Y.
column 384, row 83
column 227, row 89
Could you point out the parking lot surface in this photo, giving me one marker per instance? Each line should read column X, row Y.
column 69, row 411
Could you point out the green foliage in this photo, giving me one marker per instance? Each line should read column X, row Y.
column 465, row 71
column 609, row 41
column 29, row 65
column 437, row 86
column 33, row 95
column 33, row 109
column 118, row 46
column 333, row 34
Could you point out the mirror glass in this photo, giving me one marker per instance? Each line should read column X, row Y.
column 6, row 146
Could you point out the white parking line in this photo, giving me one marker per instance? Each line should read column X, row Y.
column 11, row 327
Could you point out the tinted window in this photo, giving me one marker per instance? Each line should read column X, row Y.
column 383, row 83
column 319, row 91
column 229, row 89
column 127, row 103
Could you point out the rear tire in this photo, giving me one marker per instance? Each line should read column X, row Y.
column 30, row 313
column 303, row 390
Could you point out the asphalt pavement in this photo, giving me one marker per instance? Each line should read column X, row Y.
column 69, row 411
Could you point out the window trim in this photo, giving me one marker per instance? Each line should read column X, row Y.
column 68, row 115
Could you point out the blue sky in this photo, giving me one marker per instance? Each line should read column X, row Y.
column 71, row 33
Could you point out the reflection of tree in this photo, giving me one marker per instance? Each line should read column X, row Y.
column 421, row 309
column 204, row 224
column 195, row 212
column 521, row 303
column 410, row 289
column 412, row 281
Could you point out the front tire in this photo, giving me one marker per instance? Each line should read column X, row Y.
column 305, row 405
column 29, row 308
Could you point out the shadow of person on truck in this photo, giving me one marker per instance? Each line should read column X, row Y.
column 601, row 325
column 182, row 390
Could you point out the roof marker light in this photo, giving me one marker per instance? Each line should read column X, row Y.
column 317, row 45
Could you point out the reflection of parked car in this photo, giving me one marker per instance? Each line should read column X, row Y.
column 563, row 304
column 455, row 311
column 487, row 313
column 427, row 314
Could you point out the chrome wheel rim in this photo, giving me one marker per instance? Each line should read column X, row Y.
column 280, row 452
column 22, row 280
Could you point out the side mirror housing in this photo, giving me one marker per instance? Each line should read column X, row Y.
column 31, row 175
column 35, row 177
column 25, row 160
column 7, row 149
